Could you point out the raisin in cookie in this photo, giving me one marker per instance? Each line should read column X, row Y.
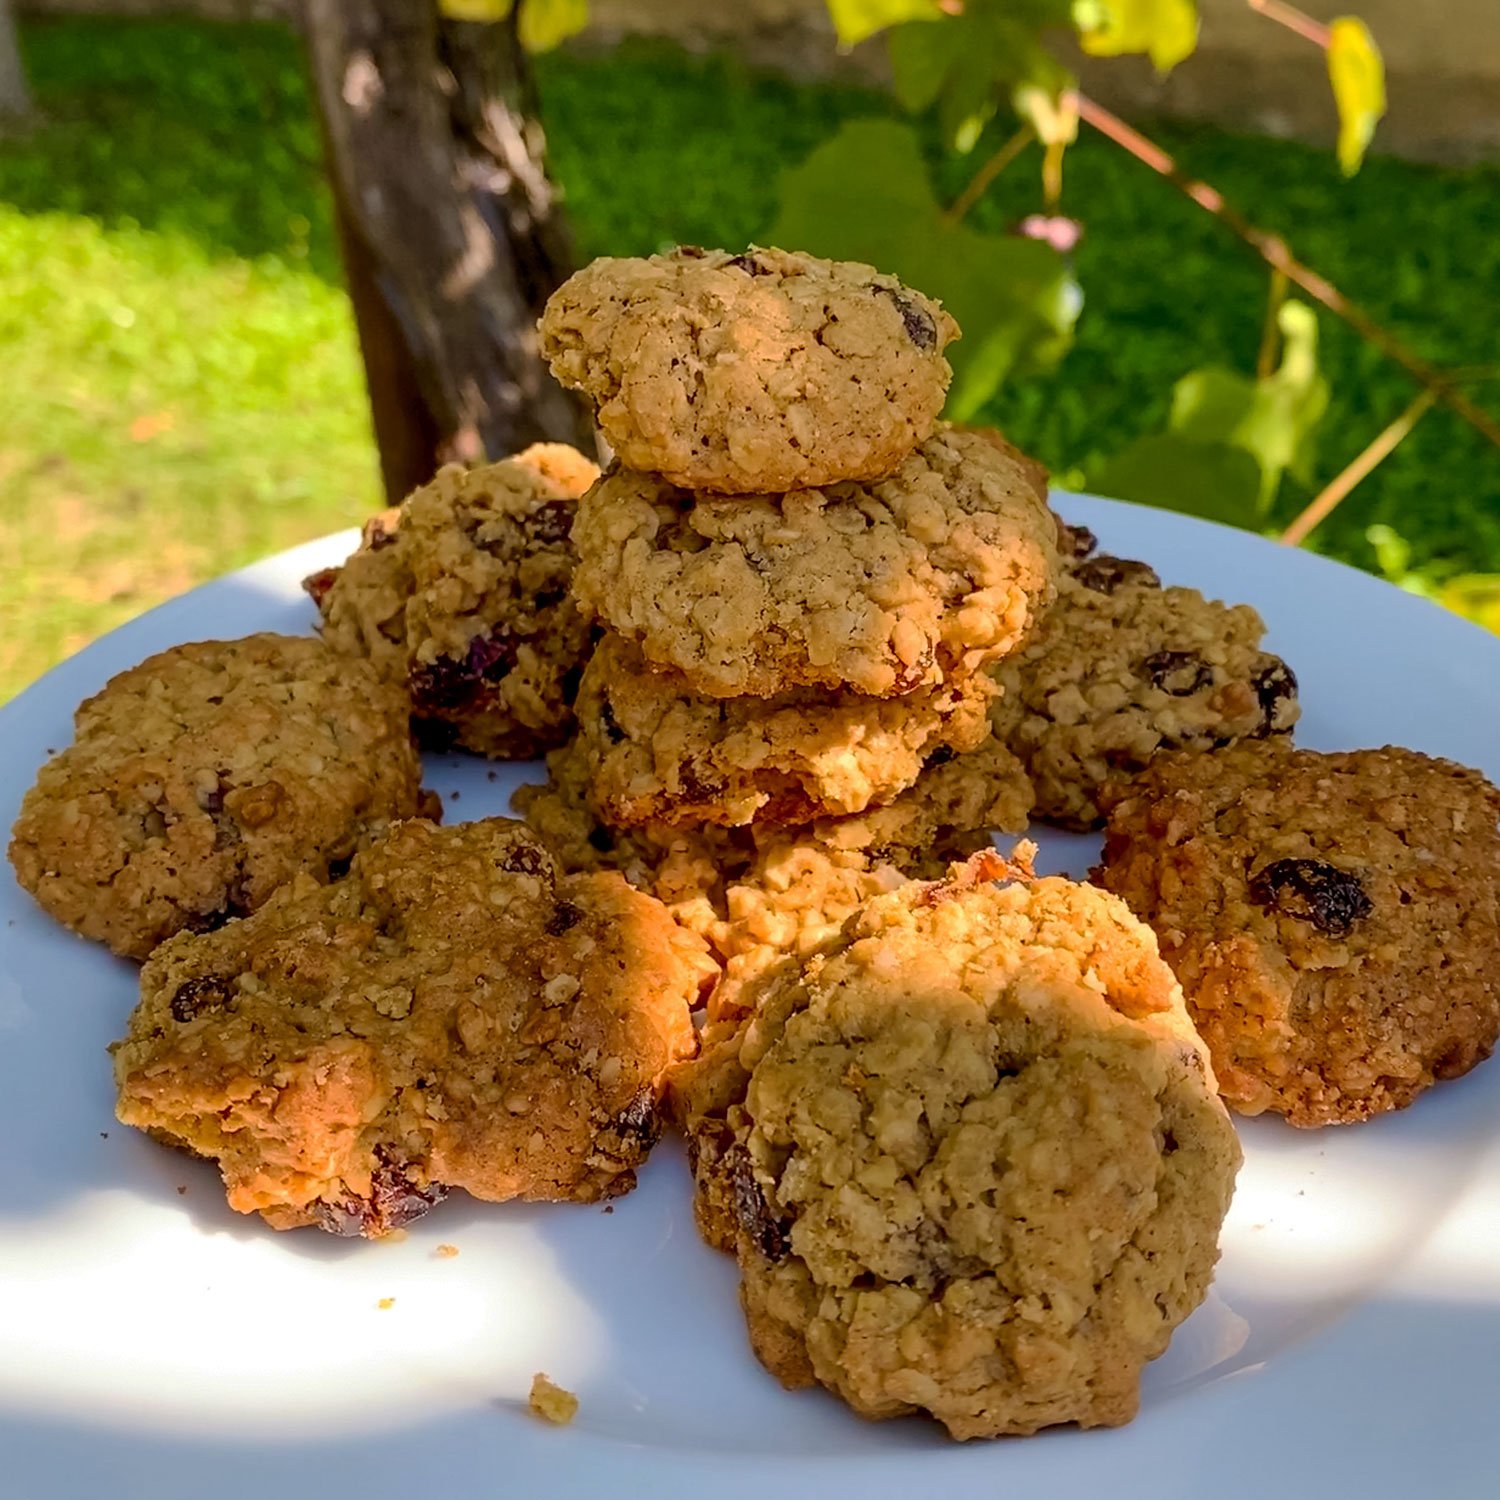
column 1121, row 668
column 454, row 1014
column 765, row 371
column 205, row 777
column 881, row 588
column 1334, row 919
column 657, row 752
column 464, row 600
column 981, row 1166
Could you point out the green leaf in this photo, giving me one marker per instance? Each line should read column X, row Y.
column 865, row 196
column 854, row 20
column 1357, row 73
column 969, row 64
column 922, row 57
column 1166, row 30
column 546, row 23
column 968, row 102
column 1212, row 480
column 1229, row 437
column 1272, row 419
column 1392, row 551
column 475, row 10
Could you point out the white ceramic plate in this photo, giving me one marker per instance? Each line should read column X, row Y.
column 154, row 1344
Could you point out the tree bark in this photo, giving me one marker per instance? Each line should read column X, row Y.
column 451, row 232
column 15, row 101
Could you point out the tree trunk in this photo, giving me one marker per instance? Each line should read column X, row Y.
column 451, row 234
column 14, row 100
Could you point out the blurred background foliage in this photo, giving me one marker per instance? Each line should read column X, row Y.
column 184, row 390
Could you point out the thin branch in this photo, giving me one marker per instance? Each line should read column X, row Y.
column 1338, row 488
column 987, row 174
column 1294, row 20
column 1270, row 329
column 1273, row 250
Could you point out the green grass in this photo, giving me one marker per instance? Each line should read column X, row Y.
column 183, row 390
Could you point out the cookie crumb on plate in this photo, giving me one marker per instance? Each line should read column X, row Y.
column 551, row 1402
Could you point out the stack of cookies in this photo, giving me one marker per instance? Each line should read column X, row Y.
column 799, row 574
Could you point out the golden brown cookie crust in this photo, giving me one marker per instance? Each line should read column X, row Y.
column 1122, row 668
column 464, row 601
column 946, row 814
column 763, row 371
column 657, row 753
column 1334, row 918
column 912, row 581
column 454, row 1014
column 981, row 1167
column 204, row 778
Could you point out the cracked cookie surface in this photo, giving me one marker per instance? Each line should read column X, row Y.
column 1334, row 918
column 762, row 371
column 461, row 597
column 205, row 777
column 658, row 753
column 981, row 1168
column 911, row 581
column 453, row 1014
column 1121, row 668
column 765, row 886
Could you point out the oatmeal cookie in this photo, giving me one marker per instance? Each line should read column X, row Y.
column 658, row 753
column 947, row 813
column 764, row 371
column 205, row 777
column 464, row 601
column 1121, row 668
column 790, row 892
column 761, row 886
column 362, row 603
column 981, row 1167
column 454, row 1014
column 913, row 581
column 1034, row 469
column 1334, row 918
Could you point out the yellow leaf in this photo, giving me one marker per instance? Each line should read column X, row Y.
column 1476, row 596
column 1357, row 73
column 475, row 10
column 1166, row 30
column 854, row 20
column 546, row 23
